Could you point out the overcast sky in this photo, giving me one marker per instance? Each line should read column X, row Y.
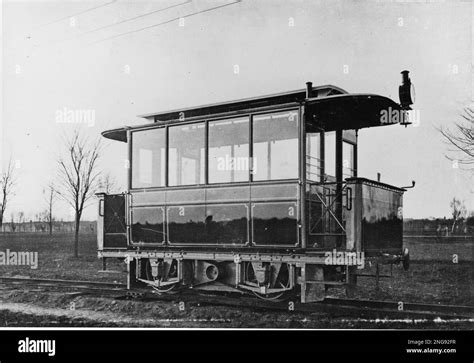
column 57, row 56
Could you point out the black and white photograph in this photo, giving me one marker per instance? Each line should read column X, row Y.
column 244, row 167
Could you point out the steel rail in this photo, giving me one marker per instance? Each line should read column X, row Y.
column 332, row 306
column 72, row 283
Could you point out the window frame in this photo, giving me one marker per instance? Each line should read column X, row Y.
column 250, row 115
column 206, row 147
column 354, row 156
column 250, row 149
column 320, row 152
column 326, row 163
column 131, row 156
column 298, row 138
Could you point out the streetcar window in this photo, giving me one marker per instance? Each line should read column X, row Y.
column 148, row 158
column 348, row 160
column 313, row 156
column 330, row 153
column 275, row 146
column 148, row 225
column 229, row 150
column 275, row 223
column 186, row 154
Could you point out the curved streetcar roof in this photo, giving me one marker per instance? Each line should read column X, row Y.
column 350, row 111
column 331, row 108
column 242, row 104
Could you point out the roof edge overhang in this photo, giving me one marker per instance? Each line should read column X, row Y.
column 346, row 111
column 352, row 111
column 118, row 134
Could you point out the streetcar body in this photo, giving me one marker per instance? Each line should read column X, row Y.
column 258, row 195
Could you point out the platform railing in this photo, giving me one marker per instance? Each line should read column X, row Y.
column 326, row 203
column 313, row 163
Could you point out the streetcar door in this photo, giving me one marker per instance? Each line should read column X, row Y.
column 327, row 191
column 112, row 215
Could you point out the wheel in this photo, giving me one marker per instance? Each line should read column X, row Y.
column 173, row 273
column 281, row 281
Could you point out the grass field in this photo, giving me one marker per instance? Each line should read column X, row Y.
column 433, row 277
column 55, row 257
column 440, row 249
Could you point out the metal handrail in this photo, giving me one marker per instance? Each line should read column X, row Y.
column 313, row 157
column 312, row 172
column 328, row 183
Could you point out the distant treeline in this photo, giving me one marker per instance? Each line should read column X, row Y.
column 43, row 227
column 429, row 227
column 439, row 227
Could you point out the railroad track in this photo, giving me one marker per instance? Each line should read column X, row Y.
column 331, row 306
column 72, row 284
column 407, row 306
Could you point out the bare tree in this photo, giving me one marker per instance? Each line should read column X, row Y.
column 49, row 196
column 458, row 211
column 7, row 184
column 462, row 137
column 78, row 176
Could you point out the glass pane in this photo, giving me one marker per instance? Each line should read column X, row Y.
column 330, row 153
column 148, row 225
column 186, row 155
column 226, row 224
column 275, row 224
column 275, row 146
column 187, row 224
column 229, row 151
column 347, row 160
column 148, row 158
column 212, row 224
column 313, row 156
